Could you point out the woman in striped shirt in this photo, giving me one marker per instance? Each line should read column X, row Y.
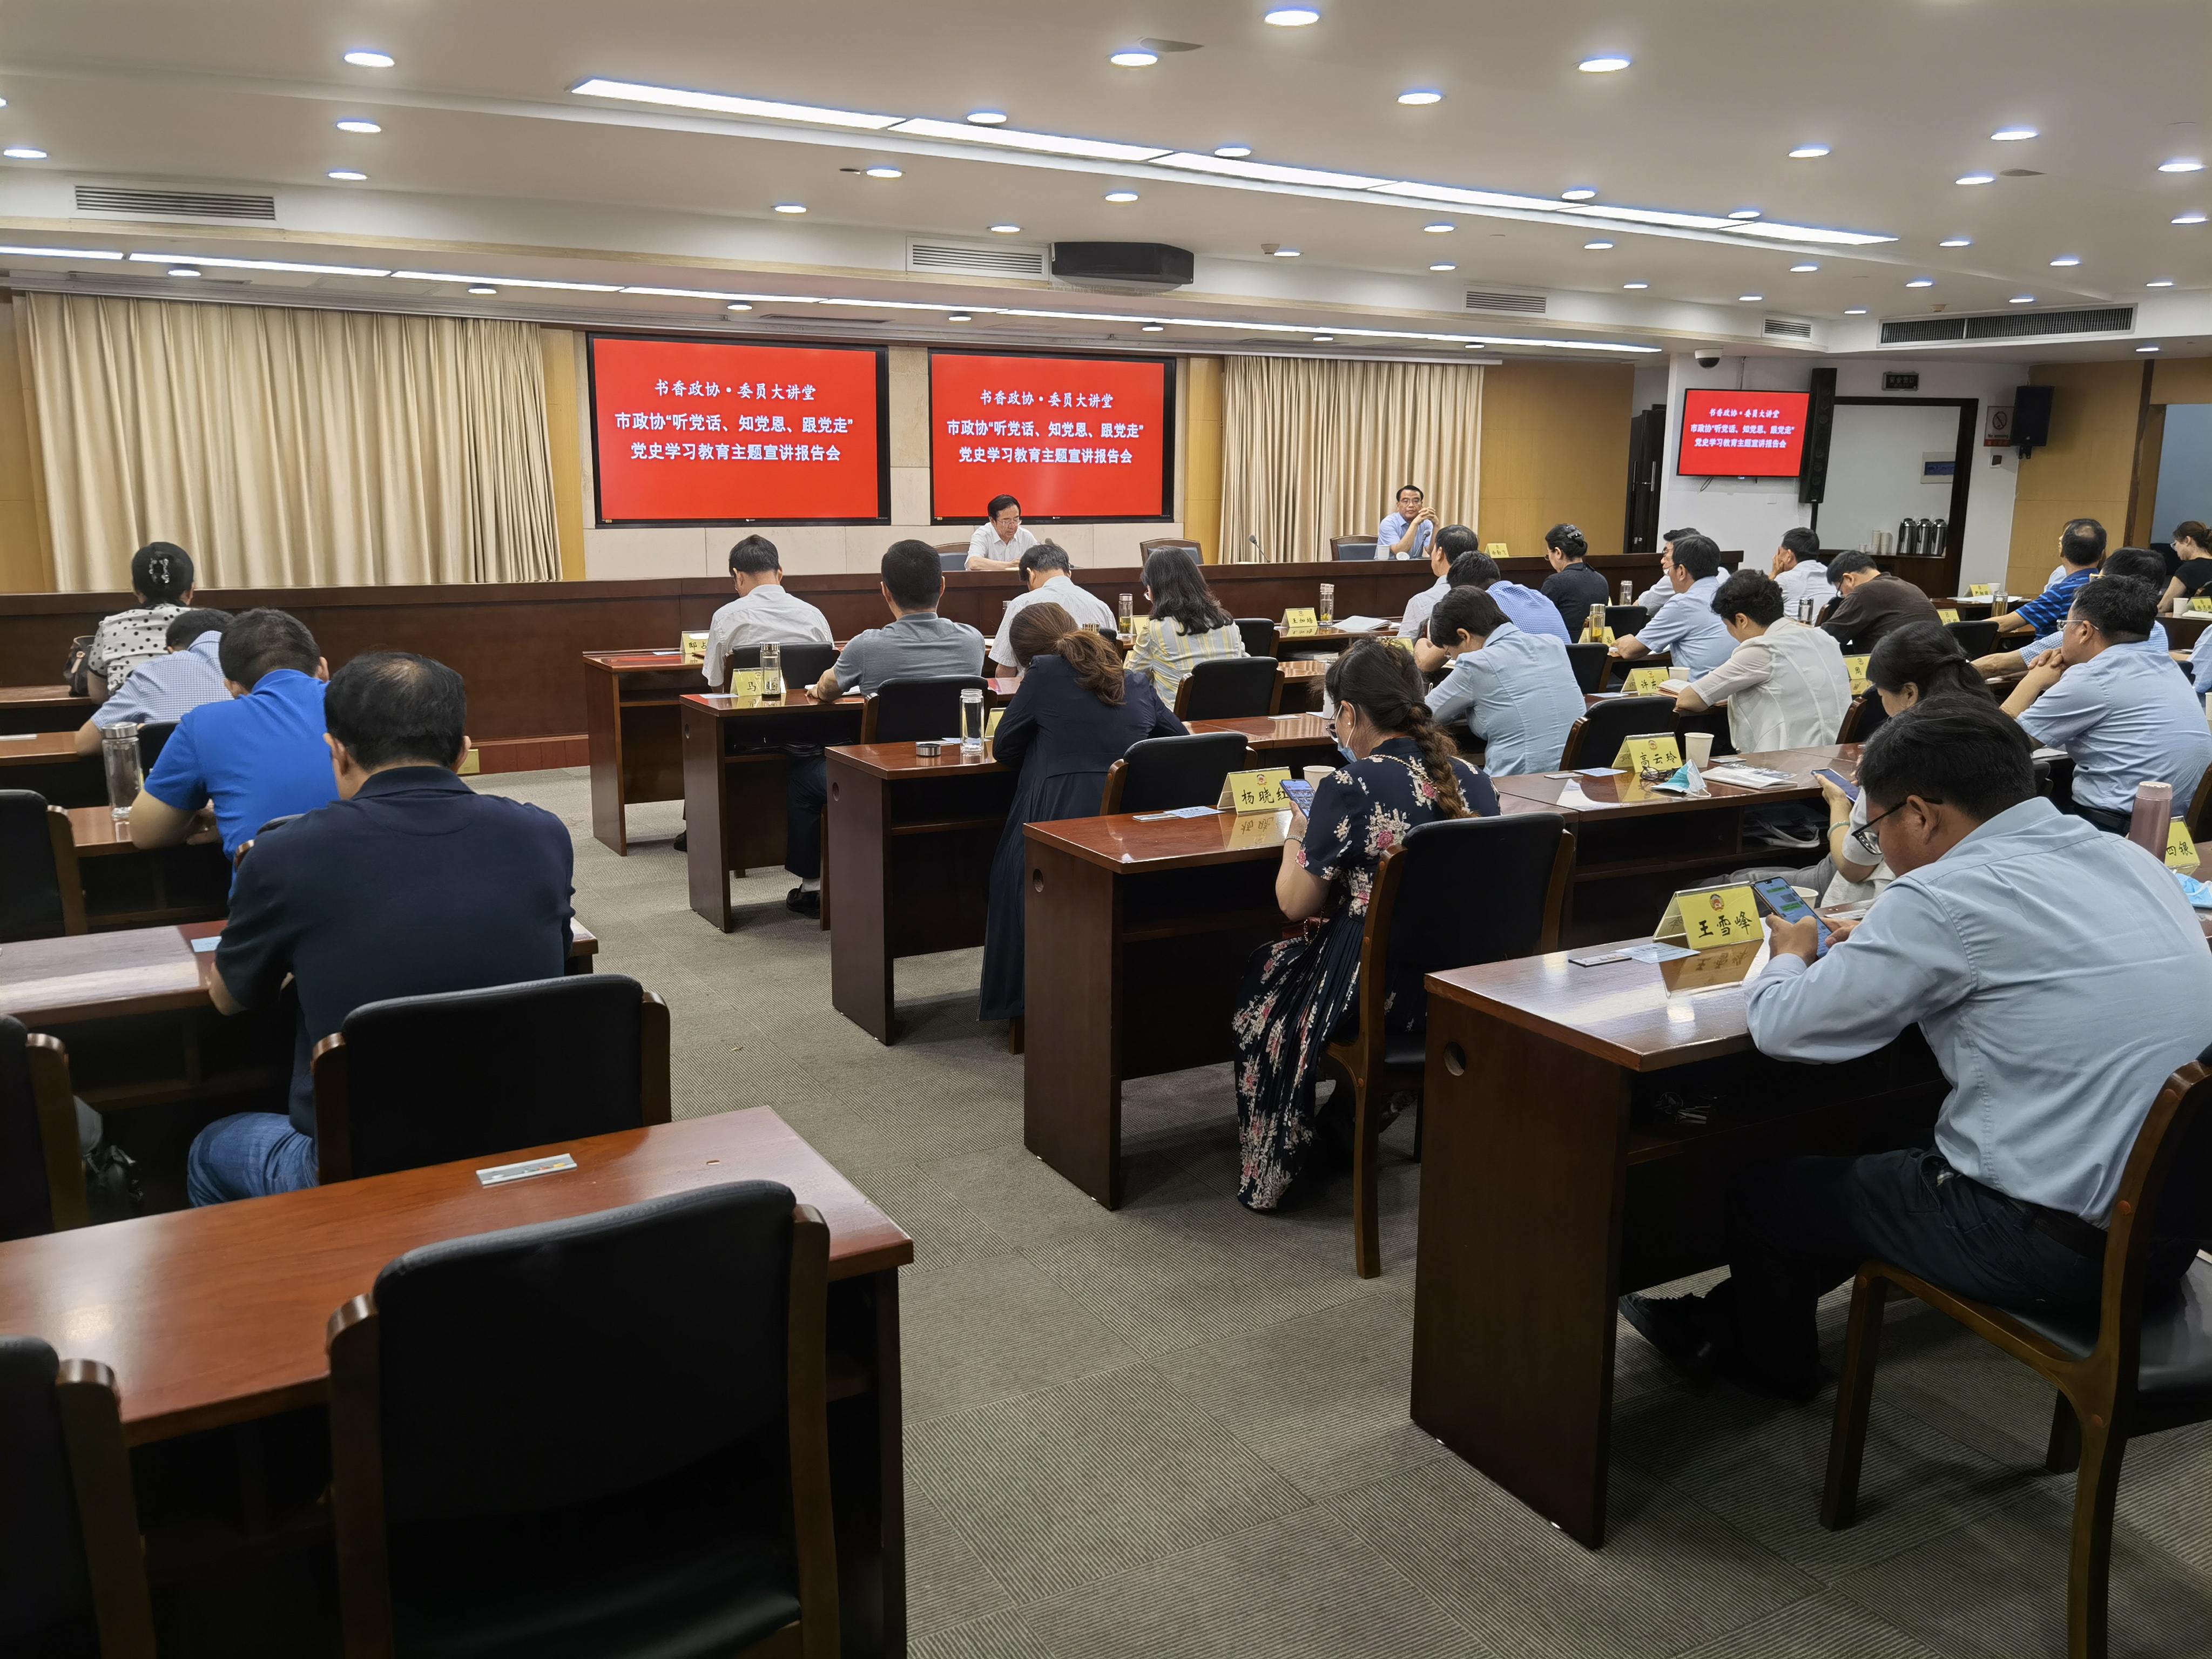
column 1187, row 626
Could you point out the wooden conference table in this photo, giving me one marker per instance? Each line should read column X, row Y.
column 734, row 771
column 42, row 708
column 126, row 886
column 216, row 1316
column 48, row 763
column 636, row 739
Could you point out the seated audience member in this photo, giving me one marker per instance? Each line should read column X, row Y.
column 2080, row 547
column 259, row 754
column 1046, row 567
column 1689, row 633
column 1402, row 775
column 999, row 543
column 1406, row 533
column 1655, row 598
column 1524, row 607
column 2192, row 545
column 409, row 885
column 1800, row 571
column 1785, row 684
column 1871, row 602
column 1572, row 586
column 170, row 686
column 1076, row 713
column 1515, row 690
column 764, row 612
column 2059, row 975
column 1187, row 625
column 1413, row 624
column 161, row 581
column 2113, row 700
column 1911, row 664
column 2137, row 561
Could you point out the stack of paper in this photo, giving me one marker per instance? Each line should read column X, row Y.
column 1361, row 624
column 1749, row 777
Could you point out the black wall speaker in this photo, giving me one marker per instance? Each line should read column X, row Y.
column 1820, row 428
column 2030, row 417
column 1149, row 265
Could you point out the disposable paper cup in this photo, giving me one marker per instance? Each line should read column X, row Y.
column 1698, row 748
column 1315, row 774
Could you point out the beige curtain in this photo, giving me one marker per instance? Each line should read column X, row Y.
column 1313, row 450
column 288, row 447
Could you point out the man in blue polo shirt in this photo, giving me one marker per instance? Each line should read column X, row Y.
column 411, row 884
column 256, row 757
column 2080, row 547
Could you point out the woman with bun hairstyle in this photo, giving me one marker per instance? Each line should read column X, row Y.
column 161, row 578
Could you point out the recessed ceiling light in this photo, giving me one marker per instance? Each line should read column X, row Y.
column 1747, row 298
column 1579, row 193
column 1156, row 328
column 987, row 118
column 182, row 271
column 1804, row 267
column 2067, row 259
column 1597, row 245
column 1419, row 96
column 3, row 103
column 359, row 126
column 483, row 287
column 2149, row 348
column 959, row 317
column 2176, row 166
column 736, row 305
column 1138, row 58
column 2022, row 300
column 1807, row 152
column 1439, row 228
column 2013, row 135
column 1444, row 266
column 1743, row 213
column 1120, row 195
column 1922, row 282
column 1286, row 252
column 884, row 173
column 348, row 174
column 1008, row 230
column 2188, row 218
column 1232, row 152
column 62, row 253
column 23, row 153
column 2163, row 282
column 1956, row 241
column 791, row 207
column 1601, row 65
column 1854, row 311
column 1292, row 17
column 1636, row 285
column 1975, row 179
column 369, row 59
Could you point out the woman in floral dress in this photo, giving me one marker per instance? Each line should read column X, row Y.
column 1404, row 773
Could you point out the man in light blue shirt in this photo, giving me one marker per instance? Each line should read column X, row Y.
column 167, row 688
column 1696, row 638
column 2139, row 562
column 2114, row 702
column 1655, row 598
column 1406, row 534
column 1515, row 689
column 1524, row 607
column 2059, row 977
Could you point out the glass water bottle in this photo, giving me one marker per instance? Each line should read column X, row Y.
column 971, row 720
column 1326, row 612
column 771, row 670
column 119, row 754
column 1128, row 610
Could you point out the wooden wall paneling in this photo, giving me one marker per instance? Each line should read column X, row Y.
column 1201, row 429
column 564, row 445
column 27, row 553
column 2142, row 489
column 2182, row 380
column 2088, row 470
column 1555, row 447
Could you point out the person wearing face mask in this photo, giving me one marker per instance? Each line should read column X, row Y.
column 2059, row 977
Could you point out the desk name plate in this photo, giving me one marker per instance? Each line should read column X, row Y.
column 1260, row 791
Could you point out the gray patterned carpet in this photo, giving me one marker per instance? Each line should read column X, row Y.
column 1179, row 1429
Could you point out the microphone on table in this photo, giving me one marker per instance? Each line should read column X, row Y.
column 1256, row 548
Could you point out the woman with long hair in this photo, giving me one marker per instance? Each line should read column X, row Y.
column 1404, row 773
column 1188, row 623
column 1076, row 713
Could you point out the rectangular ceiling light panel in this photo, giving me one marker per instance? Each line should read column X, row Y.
column 717, row 103
column 1044, row 143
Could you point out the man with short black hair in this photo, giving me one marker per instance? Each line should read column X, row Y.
column 411, row 884
column 1413, row 621
column 1573, row 587
column 2139, row 562
column 1047, row 569
column 1800, row 571
column 2113, row 702
column 763, row 613
column 166, row 688
column 998, row 542
column 1785, row 684
column 1872, row 601
column 2080, row 548
column 1524, row 607
column 258, row 755
column 1655, row 598
column 1407, row 531
column 1515, row 690
column 1690, row 634
column 2059, row 975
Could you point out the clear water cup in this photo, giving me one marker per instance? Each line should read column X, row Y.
column 971, row 720
column 1327, row 613
column 118, row 755
column 771, row 670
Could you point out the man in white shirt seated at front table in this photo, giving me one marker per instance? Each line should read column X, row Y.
column 2059, row 977
column 1801, row 573
column 1785, row 684
column 1046, row 567
column 999, row 544
column 764, row 612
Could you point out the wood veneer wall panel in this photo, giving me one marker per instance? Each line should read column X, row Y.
column 2182, row 380
column 27, row 555
column 1201, row 426
column 1554, row 448
column 2087, row 471
column 564, row 446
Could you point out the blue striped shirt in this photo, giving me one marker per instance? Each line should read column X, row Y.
column 2048, row 609
column 167, row 688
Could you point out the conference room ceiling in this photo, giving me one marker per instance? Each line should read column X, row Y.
column 488, row 162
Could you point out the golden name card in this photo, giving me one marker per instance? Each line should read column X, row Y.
column 991, row 720
column 2201, row 603
column 1710, row 919
column 1260, row 791
column 1654, row 754
column 1300, row 621
column 1401, row 642
column 1981, row 590
column 694, row 642
column 745, row 684
column 1251, row 830
column 1646, row 682
column 1594, row 635
column 1947, row 615
column 2180, row 848
column 1496, row 549
column 1856, row 667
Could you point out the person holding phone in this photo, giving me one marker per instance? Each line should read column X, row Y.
column 1408, row 532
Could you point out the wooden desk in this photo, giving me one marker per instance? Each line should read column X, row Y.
column 908, row 849
column 630, row 719
column 1323, row 639
column 42, row 708
column 216, row 1316
column 1635, row 848
column 1292, row 740
column 48, row 763
column 1550, row 1184
column 734, row 771
column 129, row 887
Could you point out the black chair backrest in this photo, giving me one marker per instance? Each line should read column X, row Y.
column 636, row 1340
column 1603, row 727
column 1258, row 635
column 1872, row 715
column 950, row 559
column 1589, row 663
column 153, row 738
column 1230, row 688
column 473, row 1073
column 1167, row 772
column 30, row 885
column 45, row 1586
column 1626, row 619
column 1353, row 547
column 907, row 711
column 1976, row 639
column 1470, row 891
column 803, row 661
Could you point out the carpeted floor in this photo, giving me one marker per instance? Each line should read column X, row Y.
column 1181, row 1429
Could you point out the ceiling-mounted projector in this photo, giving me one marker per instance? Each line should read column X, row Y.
column 1121, row 267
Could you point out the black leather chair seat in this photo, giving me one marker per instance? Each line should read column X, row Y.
column 2177, row 1337
column 1400, row 1054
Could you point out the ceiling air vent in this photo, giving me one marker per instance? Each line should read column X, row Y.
column 1530, row 305
column 999, row 259
column 2020, row 325
column 172, row 203
column 1919, row 331
column 1787, row 330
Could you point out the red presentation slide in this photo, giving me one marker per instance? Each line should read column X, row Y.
column 1743, row 435
column 1070, row 437
column 702, row 432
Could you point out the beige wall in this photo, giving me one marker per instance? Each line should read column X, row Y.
column 1554, row 448
column 27, row 557
column 2182, row 380
column 2087, row 471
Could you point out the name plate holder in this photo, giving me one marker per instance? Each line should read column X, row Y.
column 2181, row 848
column 1942, row 615
column 1856, row 667
column 693, row 644
column 1640, row 756
column 1260, row 791
column 1305, row 621
column 1981, row 590
column 1645, row 682
column 2199, row 604
column 1719, row 925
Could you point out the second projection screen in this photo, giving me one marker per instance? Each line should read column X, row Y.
column 1069, row 437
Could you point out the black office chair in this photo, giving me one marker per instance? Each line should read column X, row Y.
column 907, row 711
column 41, row 895
column 1976, row 639
column 246, row 845
column 804, row 663
column 153, row 737
column 1230, row 688
column 1596, row 738
column 1454, row 893
column 603, row 1435
column 1352, row 547
column 41, row 1174
column 1626, row 619
column 412, row 1081
column 73, row 1575
column 950, row 559
column 1259, row 634
column 1589, row 663
column 1161, row 773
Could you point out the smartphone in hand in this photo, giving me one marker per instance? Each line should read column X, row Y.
column 1776, row 897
